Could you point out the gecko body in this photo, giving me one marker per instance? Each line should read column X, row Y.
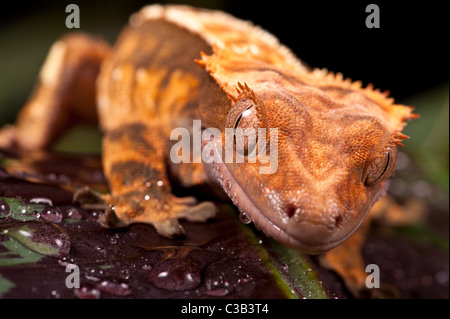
column 172, row 65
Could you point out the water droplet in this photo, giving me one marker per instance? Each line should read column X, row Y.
column 189, row 277
column 244, row 218
column 25, row 233
column 125, row 274
column 148, row 184
column 228, row 184
column 218, row 292
column 147, row 197
column 146, row 267
column 92, row 278
column 63, row 262
column 159, row 183
column 74, row 213
column 244, row 280
column 181, row 271
column 177, row 276
column 114, row 288
column 87, row 293
column 52, row 214
column 58, row 242
column 55, row 294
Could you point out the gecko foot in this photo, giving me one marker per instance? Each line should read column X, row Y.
column 163, row 214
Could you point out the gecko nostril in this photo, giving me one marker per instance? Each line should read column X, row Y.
column 290, row 210
column 338, row 220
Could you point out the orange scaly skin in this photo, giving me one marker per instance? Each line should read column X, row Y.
column 174, row 64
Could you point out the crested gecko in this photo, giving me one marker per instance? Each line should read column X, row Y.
column 175, row 64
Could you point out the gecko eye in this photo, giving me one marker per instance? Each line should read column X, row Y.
column 246, row 132
column 381, row 168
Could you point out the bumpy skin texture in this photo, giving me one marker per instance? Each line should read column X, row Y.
column 174, row 64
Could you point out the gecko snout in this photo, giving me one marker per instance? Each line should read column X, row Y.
column 331, row 219
column 315, row 230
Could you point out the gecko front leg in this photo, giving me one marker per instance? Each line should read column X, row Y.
column 64, row 95
column 134, row 164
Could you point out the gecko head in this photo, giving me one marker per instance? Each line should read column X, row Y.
column 333, row 158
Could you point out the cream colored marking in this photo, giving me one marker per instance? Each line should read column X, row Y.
column 254, row 49
column 146, row 89
column 102, row 102
column 141, row 74
column 151, row 12
column 199, row 22
column 244, row 49
column 177, row 15
column 239, row 49
column 53, row 66
column 117, row 74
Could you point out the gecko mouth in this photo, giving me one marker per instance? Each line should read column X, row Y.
column 246, row 205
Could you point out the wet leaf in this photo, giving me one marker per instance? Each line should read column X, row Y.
column 129, row 262
column 5, row 285
column 297, row 270
column 114, row 288
column 20, row 211
column 17, row 254
column 279, row 279
column 44, row 238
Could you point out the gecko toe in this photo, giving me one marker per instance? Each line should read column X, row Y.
column 170, row 228
column 110, row 220
column 200, row 212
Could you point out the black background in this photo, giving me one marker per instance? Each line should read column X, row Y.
column 406, row 55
